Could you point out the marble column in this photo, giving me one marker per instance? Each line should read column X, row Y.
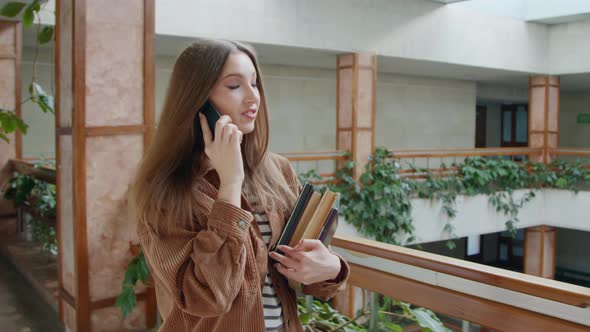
column 544, row 115
column 10, row 95
column 356, row 106
column 104, row 117
column 539, row 251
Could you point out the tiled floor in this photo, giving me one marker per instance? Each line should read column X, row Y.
column 21, row 307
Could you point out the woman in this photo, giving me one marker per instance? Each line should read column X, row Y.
column 210, row 205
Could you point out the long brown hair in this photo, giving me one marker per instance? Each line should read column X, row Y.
column 163, row 193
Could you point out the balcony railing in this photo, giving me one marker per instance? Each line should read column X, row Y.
column 492, row 297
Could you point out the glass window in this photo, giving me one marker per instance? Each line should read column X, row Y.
column 521, row 125
column 507, row 126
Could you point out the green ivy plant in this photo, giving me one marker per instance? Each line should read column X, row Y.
column 25, row 190
column 388, row 315
column 379, row 204
column 9, row 120
column 137, row 270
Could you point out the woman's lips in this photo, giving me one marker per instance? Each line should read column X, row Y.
column 250, row 114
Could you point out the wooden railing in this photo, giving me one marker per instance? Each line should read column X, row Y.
column 325, row 163
column 572, row 154
column 416, row 163
column 492, row 297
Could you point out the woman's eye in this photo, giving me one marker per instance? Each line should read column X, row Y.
column 254, row 85
column 233, row 87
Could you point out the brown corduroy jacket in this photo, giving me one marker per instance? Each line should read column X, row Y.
column 210, row 278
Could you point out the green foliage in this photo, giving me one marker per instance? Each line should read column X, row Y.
column 10, row 122
column 46, row 35
column 24, row 190
column 379, row 204
column 322, row 317
column 41, row 98
column 392, row 316
column 11, row 9
column 137, row 270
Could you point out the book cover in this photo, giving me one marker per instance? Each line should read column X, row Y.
column 290, row 226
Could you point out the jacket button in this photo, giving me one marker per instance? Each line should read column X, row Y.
column 243, row 224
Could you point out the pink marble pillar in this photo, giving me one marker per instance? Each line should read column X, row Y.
column 544, row 115
column 10, row 94
column 104, row 111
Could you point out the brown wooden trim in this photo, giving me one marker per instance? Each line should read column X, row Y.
column 110, row 302
column 149, row 92
column 466, row 154
column 58, row 161
column 63, row 131
column 546, row 124
column 67, row 297
column 316, row 158
column 149, row 71
column 374, row 105
column 522, row 283
column 151, row 308
column 351, row 300
column 571, row 153
column 463, row 306
column 12, row 56
column 18, row 88
column 530, row 115
column 115, row 130
column 544, row 85
column 83, row 322
column 305, row 153
column 40, row 173
column 354, row 109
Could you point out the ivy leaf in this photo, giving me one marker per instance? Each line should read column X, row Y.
column 29, row 16
column 143, row 271
column 46, row 35
column 11, row 9
column 4, row 138
column 41, row 98
column 126, row 301
column 426, row 319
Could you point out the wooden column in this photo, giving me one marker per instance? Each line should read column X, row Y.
column 355, row 132
column 356, row 107
column 10, row 94
column 539, row 251
column 544, row 115
column 104, row 119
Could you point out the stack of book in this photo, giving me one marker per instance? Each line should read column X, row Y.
column 313, row 217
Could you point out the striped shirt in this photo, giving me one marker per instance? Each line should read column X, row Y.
column 273, row 317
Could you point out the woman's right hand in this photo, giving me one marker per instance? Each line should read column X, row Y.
column 224, row 150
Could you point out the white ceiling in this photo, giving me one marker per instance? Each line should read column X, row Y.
column 170, row 46
column 304, row 57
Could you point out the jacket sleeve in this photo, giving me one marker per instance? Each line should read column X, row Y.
column 327, row 289
column 202, row 270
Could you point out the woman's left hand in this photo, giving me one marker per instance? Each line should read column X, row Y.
column 308, row 262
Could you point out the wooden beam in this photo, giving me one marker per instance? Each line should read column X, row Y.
column 519, row 282
column 488, row 313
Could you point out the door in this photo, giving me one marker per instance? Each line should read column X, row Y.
column 480, row 126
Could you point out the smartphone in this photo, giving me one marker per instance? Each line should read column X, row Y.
column 211, row 115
